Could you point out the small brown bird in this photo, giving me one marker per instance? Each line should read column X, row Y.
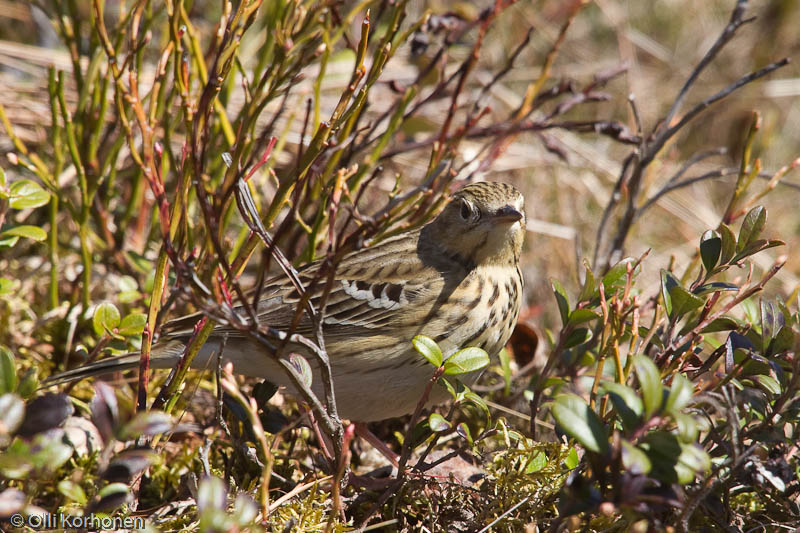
column 456, row 280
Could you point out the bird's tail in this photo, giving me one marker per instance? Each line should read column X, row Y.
column 104, row 366
column 163, row 355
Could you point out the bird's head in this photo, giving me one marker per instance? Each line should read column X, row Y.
column 483, row 223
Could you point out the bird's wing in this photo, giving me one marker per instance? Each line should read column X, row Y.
column 374, row 290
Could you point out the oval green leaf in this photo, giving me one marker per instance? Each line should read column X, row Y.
column 466, row 360
column 29, row 232
column 650, row 380
column 428, row 349
column 576, row 419
column 106, row 318
column 680, row 394
column 626, row 402
column 437, row 423
column 133, row 324
column 710, row 248
column 752, row 226
column 24, row 194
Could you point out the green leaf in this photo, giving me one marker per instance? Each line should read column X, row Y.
column 634, row 459
column 752, row 226
column 589, row 285
column 447, row 385
column 687, row 427
column 26, row 193
column 576, row 419
column 617, row 276
column 728, row 244
column 112, row 496
column 715, row 286
column 684, row 302
column 677, row 300
column 721, row 324
column 133, row 324
column 466, row 360
column 626, row 402
column 650, row 380
column 577, row 337
column 505, row 365
column 437, row 423
column 667, row 282
column 768, row 384
column 6, row 286
column 572, row 460
column 680, row 394
column 9, row 242
column 536, row 463
column 758, row 245
column 106, row 318
column 579, row 316
column 463, row 430
column 562, row 299
column 8, row 371
column 428, row 349
column 72, row 491
column 782, row 341
column 769, row 322
column 478, row 402
column 29, row 232
column 710, row 248
column 674, row 461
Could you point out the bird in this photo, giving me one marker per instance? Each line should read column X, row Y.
column 456, row 280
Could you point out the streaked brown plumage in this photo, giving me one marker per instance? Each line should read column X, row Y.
column 456, row 280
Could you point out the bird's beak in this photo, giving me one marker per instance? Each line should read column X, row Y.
column 507, row 214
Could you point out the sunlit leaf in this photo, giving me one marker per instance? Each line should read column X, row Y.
column 438, row 423
column 579, row 316
column 536, row 463
column 24, row 194
column 106, row 318
column 616, row 277
column 752, row 225
column 576, row 419
column 728, row 244
column 589, row 288
column 466, row 360
column 428, row 349
column 650, row 381
column 72, row 491
column 133, row 324
column 29, row 232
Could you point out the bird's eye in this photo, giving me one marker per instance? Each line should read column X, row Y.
column 466, row 210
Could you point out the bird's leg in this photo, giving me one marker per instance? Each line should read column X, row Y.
column 363, row 431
